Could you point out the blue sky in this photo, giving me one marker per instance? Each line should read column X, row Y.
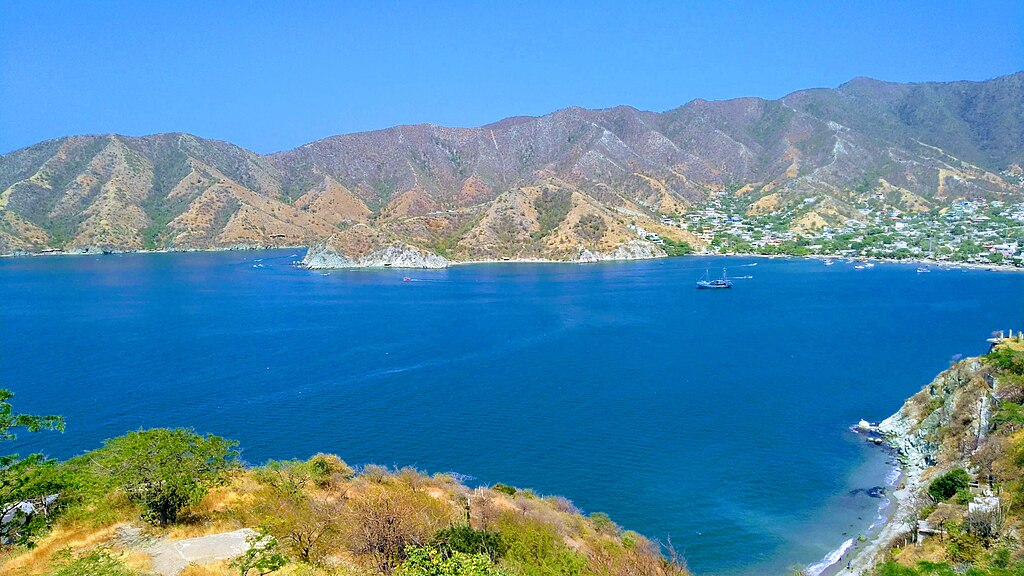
column 273, row 76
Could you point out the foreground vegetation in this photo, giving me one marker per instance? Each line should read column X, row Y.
column 978, row 459
column 314, row 517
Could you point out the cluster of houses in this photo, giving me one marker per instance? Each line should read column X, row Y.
column 974, row 231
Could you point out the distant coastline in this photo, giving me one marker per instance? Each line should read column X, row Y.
column 910, row 261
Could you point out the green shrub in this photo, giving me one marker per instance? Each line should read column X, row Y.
column 535, row 549
column 964, row 496
column 262, row 556
column 429, row 561
column 962, row 546
column 464, row 539
column 505, row 489
column 325, row 466
column 603, row 523
column 1007, row 359
column 1008, row 414
column 96, row 563
column 946, row 486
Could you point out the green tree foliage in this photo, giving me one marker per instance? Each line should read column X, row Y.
column 429, row 561
column 504, row 489
column 23, row 478
column 1007, row 359
column 946, row 486
column 537, row 550
column 165, row 470
column 1009, row 414
column 464, row 539
column 603, row 523
column 677, row 247
column 261, row 558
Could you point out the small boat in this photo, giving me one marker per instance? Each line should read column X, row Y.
column 922, row 270
column 707, row 282
column 870, row 265
column 829, row 262
column 859, row 267
column 406, row 279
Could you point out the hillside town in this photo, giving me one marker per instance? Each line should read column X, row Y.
column 980, row 232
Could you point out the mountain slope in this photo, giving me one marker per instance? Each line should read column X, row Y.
column 919, row 145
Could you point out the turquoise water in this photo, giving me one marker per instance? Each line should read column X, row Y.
column 715, row 418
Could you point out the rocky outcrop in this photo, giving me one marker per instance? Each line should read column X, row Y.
column 631, row 250
column 364, row 247
column 935, row 425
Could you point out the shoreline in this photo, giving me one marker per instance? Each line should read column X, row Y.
column 855, row 558
column 912, row 261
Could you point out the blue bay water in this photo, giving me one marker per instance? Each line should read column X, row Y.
column 716, row 419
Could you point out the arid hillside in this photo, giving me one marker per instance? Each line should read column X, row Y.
column 552, row 187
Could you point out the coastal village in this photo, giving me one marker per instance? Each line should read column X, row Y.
column 980, row 232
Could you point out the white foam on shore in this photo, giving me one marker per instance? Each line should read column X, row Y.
column 881, row 517
column 829, row 559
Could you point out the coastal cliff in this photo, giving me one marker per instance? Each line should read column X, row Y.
column 965, row 426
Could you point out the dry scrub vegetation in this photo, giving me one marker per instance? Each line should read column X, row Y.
column 325, row 518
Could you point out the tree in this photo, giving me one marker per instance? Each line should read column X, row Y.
column 22, row 478
column 384, row 521
column 306, row 523
column 165, row 470
column 946, row 486
column 262, row 556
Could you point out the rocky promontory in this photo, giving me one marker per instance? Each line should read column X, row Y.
column 363, row 247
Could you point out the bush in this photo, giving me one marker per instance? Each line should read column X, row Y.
column 327, row 467
column 1010, row 415
column 96, row 563
column 604, row 524
column 305, row 524
column 505, row 489
column 429, row 561
column 538, row 550
column 963, row 546
column 262, row 556
column 384, row 520
column 946, row 486
column 165, row 470
column 464, row 539
column 1007, row 359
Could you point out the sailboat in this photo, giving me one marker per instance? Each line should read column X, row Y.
column 707, row 282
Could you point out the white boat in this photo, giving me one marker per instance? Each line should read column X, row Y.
column 922, row 270
column 829, row 262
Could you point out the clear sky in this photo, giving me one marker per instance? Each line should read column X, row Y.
column 273, row 76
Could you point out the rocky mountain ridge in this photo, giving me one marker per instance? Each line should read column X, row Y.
column 561, row 187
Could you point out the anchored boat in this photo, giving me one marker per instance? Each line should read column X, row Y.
column 707, row 282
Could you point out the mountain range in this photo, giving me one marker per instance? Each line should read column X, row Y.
column 571, row 185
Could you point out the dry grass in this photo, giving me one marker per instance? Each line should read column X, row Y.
column 38, row 559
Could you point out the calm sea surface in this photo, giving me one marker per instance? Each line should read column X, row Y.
column 715, row 418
